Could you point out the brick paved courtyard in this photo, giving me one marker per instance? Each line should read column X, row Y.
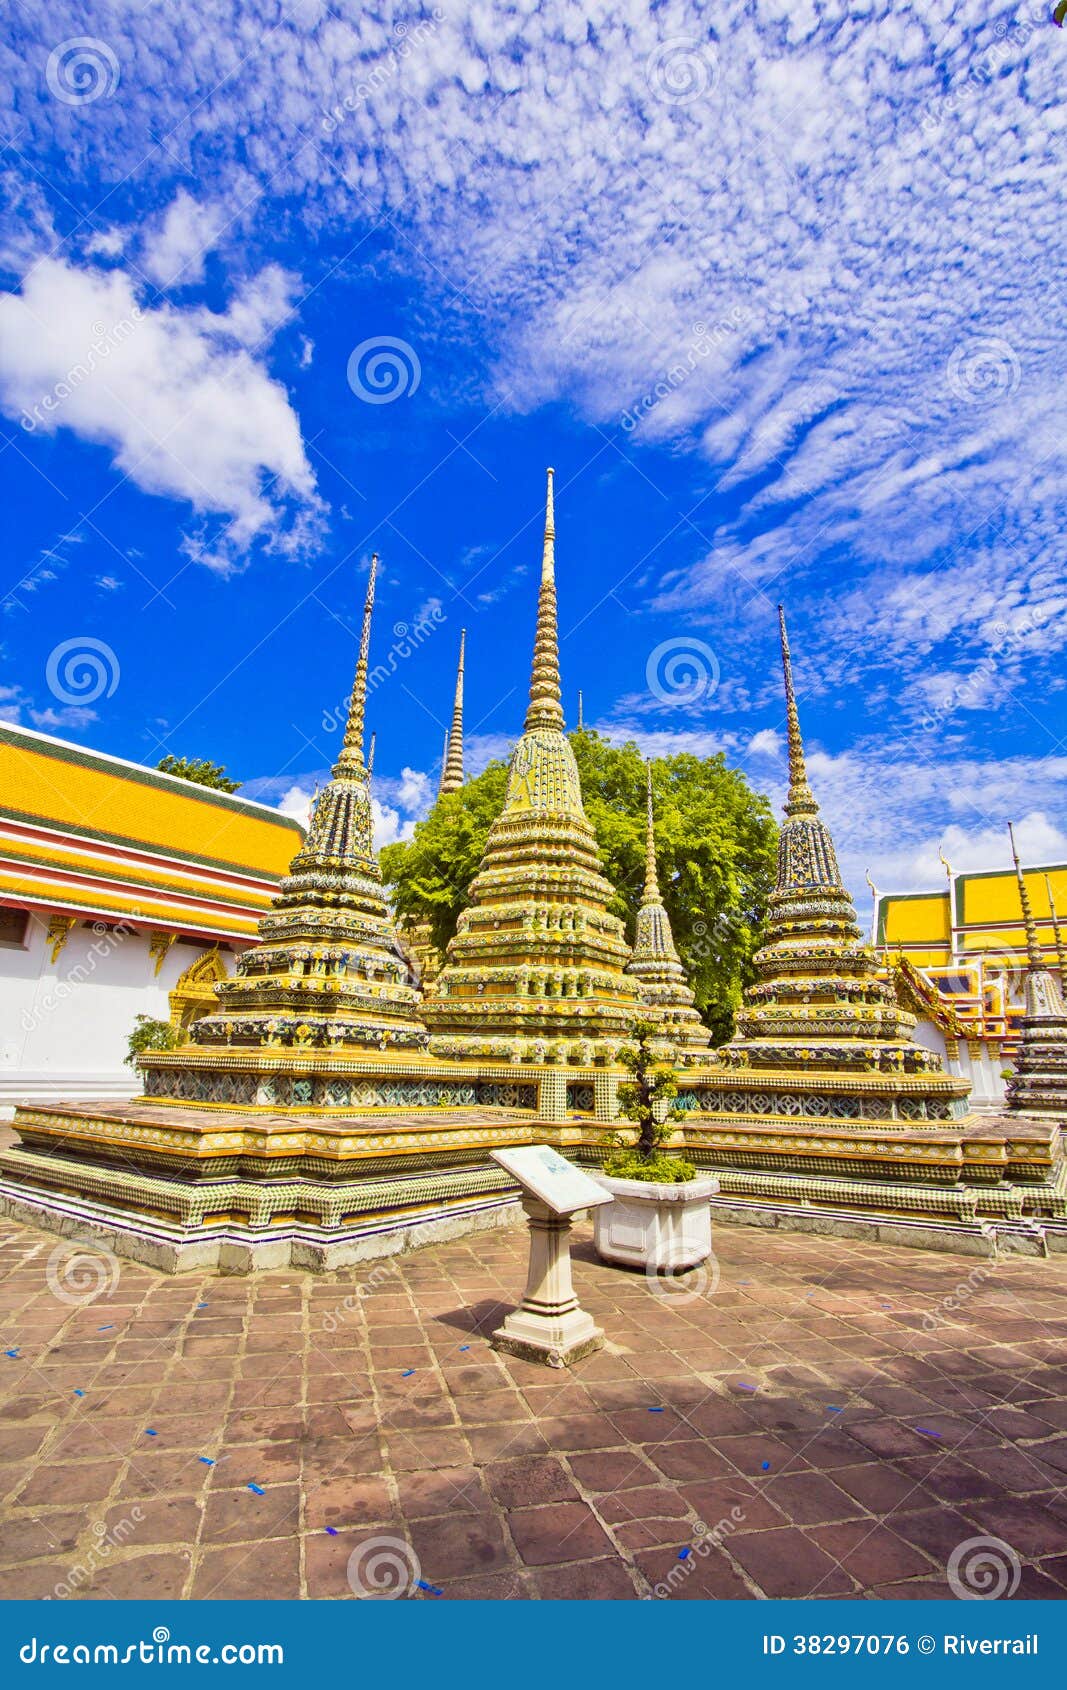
column 833, row 1418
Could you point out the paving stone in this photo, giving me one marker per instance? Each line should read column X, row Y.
column 529, row 1480
column 557, row 1533
column 589, row 1581
column 458, row 1546
column 249, row 1572
column 481, row 1462
column 785, row 1562
column 870, row 1551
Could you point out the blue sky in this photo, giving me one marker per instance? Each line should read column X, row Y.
column 779, row 292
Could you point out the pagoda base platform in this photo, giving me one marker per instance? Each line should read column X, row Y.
column 236, row 1190
column 985, row 1186
column 242, row 1226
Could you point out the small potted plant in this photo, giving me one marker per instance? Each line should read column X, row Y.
column 661, row 1216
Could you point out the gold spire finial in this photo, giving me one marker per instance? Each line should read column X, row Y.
column 581, row 717
column 352, row 750
column 546, row 710
column 651, row 894
column 452, row 767
column 1033, row 949
column 1060, row 958
column 800, row 795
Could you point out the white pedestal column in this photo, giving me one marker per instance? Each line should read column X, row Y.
column 549, row 1326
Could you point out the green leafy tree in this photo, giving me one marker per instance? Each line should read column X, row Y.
column 200, row 771
column 150, row 1034
column 648, row 1101
column 715, row 840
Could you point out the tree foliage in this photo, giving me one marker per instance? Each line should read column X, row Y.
column 648, row 1100
column 715, row 840
column 150, row 1034
column 198, row 770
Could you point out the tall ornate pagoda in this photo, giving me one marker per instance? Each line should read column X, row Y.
column 665, row 993
column 1038, row 1085
column 536, row 969
column 329, row 972
column 820, row 1034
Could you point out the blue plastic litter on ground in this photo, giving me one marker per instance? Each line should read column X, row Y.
column 766, row 1466
column 331, row 1531
column 655, row 1411
column 420, row 1584
column 201, row 1305
column 684, row 1553
column 408, row 1371
column 463, row 1347
column 13, row 1354
column 926, row 1432
column 258, row 1489
column 79, row 1393
column 150, row 1432
column 743, row 1387
column 832, row 1408
column 109, row 1328
column 206, row 1459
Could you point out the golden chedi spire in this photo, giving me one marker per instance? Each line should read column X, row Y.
column 1038, row 1083
column 818, row 1014
column 352, row 747
column 655, row 966
column 535, row 969
column 545, row 709
column 329, row 969
column 452, row 768
column 1061, row 960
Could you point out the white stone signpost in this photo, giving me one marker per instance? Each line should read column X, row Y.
column 549, row 1326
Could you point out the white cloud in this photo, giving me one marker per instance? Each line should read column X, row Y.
column 184, row 408
column 296, row 801
column 174, row 249
column 71, row 716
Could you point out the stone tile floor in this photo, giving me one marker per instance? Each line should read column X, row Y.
column 818, row 1417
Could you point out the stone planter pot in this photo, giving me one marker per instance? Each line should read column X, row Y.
column 665, row 1227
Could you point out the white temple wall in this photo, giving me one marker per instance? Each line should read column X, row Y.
column 65, row 1026
column 982, row 1071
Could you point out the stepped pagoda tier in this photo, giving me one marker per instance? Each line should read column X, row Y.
column 1038, row 1085
column 818, row 1013
column 329, row 972
column 660, row 977
column 535, row 971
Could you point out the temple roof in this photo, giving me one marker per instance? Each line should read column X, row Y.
column 85, row 832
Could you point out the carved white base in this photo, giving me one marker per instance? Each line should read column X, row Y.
column 549, row 1326
column 655, row 1226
